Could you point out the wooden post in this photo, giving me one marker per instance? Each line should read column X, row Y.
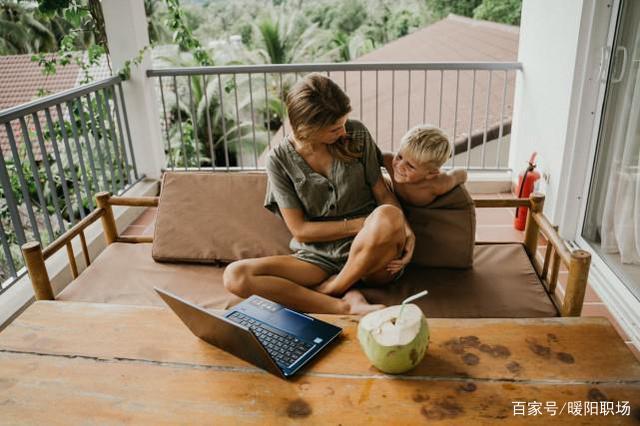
column 555, row 270
column 531, row 230
column 72, row 260
column 85, row 250
column 545, row 265
column 576, row 283
column 108, row 222
column 34, row 261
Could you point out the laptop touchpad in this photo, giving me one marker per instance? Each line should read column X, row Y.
column 290, row 321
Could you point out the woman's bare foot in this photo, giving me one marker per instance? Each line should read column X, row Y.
column 358, row 305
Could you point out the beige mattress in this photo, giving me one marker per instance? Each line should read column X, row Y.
column 502, row 283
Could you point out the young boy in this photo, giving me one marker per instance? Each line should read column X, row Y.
column 415, row 168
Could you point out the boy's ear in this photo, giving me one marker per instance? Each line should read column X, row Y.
column 431, row 169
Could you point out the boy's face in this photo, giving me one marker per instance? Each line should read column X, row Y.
column 408, row 170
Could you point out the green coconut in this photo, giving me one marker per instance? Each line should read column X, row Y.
column 394, row 345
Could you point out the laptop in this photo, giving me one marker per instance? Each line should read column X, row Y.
column 264, row 333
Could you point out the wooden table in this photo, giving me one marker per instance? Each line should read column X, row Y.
column 69, row 363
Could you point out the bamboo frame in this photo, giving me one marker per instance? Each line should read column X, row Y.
column 72, row 260
column 108, row 221
column 577, row 262
column 532, row 227
column 135, row 239
column 34, row 261
column 85, row 250
column 134, row 201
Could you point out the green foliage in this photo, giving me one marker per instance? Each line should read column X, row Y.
column 504, row 11
column 23, row 29
column 442, row 8
column 52, row 6
column 81, row 19
column 283, row 37
column 155, row 11
column 125, row 72
column 197, row 115
column 350, row 48
column 350, row 16
column 176, row 21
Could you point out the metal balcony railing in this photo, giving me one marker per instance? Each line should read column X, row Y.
column 57, row 152
column 227, row 117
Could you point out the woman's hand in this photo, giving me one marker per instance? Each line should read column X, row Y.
column 396, row 265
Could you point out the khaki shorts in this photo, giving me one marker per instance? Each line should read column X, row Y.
column 332, row 266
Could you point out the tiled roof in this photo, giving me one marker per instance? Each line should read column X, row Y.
column 20, row 81
column 453, row 39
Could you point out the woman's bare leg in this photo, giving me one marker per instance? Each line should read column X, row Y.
column 380, row 240
column 285, row 279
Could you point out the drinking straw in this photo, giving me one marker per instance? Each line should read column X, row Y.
column 410, row 299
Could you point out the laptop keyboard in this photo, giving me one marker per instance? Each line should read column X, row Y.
column 284, row 348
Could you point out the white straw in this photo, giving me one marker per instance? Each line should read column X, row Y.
column 415, row 296
column 410, row 299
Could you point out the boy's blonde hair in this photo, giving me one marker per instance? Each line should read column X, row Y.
column 426, row 144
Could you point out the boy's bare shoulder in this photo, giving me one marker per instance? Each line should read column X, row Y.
column 424, row 193
column 419, row 195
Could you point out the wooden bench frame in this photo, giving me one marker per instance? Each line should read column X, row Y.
column 577, row 262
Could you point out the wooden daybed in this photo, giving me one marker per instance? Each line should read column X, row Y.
column 506, row 280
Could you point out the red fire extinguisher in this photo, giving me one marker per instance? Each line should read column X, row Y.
column 526, row 181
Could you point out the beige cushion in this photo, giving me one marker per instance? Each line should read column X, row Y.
column 211, row 217
column 126, row 274
column 445, row 230
column 502, row 283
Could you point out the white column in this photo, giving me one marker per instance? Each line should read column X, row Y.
column 126, row 27
column 548, row 50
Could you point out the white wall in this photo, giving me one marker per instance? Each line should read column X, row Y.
column 127, row 34
column 549, row 48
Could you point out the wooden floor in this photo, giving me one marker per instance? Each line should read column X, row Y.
column 492, row 224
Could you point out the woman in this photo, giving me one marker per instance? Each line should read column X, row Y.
column 325, row 182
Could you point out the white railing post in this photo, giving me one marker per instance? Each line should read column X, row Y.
column 126, row 27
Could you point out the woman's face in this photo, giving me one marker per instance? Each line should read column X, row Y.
column 330, row 134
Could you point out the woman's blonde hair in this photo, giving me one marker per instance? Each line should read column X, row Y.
column 316, row 102
column 426, row 144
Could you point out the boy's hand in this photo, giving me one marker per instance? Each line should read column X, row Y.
column 396, row 265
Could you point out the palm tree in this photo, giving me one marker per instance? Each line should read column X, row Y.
column 350, row 47
column 284, row 38
column 235, row 139
column 158, row 33
column 21, row 31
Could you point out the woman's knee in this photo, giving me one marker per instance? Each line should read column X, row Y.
column 237, row 278
column 387, row 221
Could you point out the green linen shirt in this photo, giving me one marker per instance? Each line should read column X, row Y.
column 345, row 193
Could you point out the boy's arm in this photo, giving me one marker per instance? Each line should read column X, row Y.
column 442, row 184
column 387, row 160
column 451, row 179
